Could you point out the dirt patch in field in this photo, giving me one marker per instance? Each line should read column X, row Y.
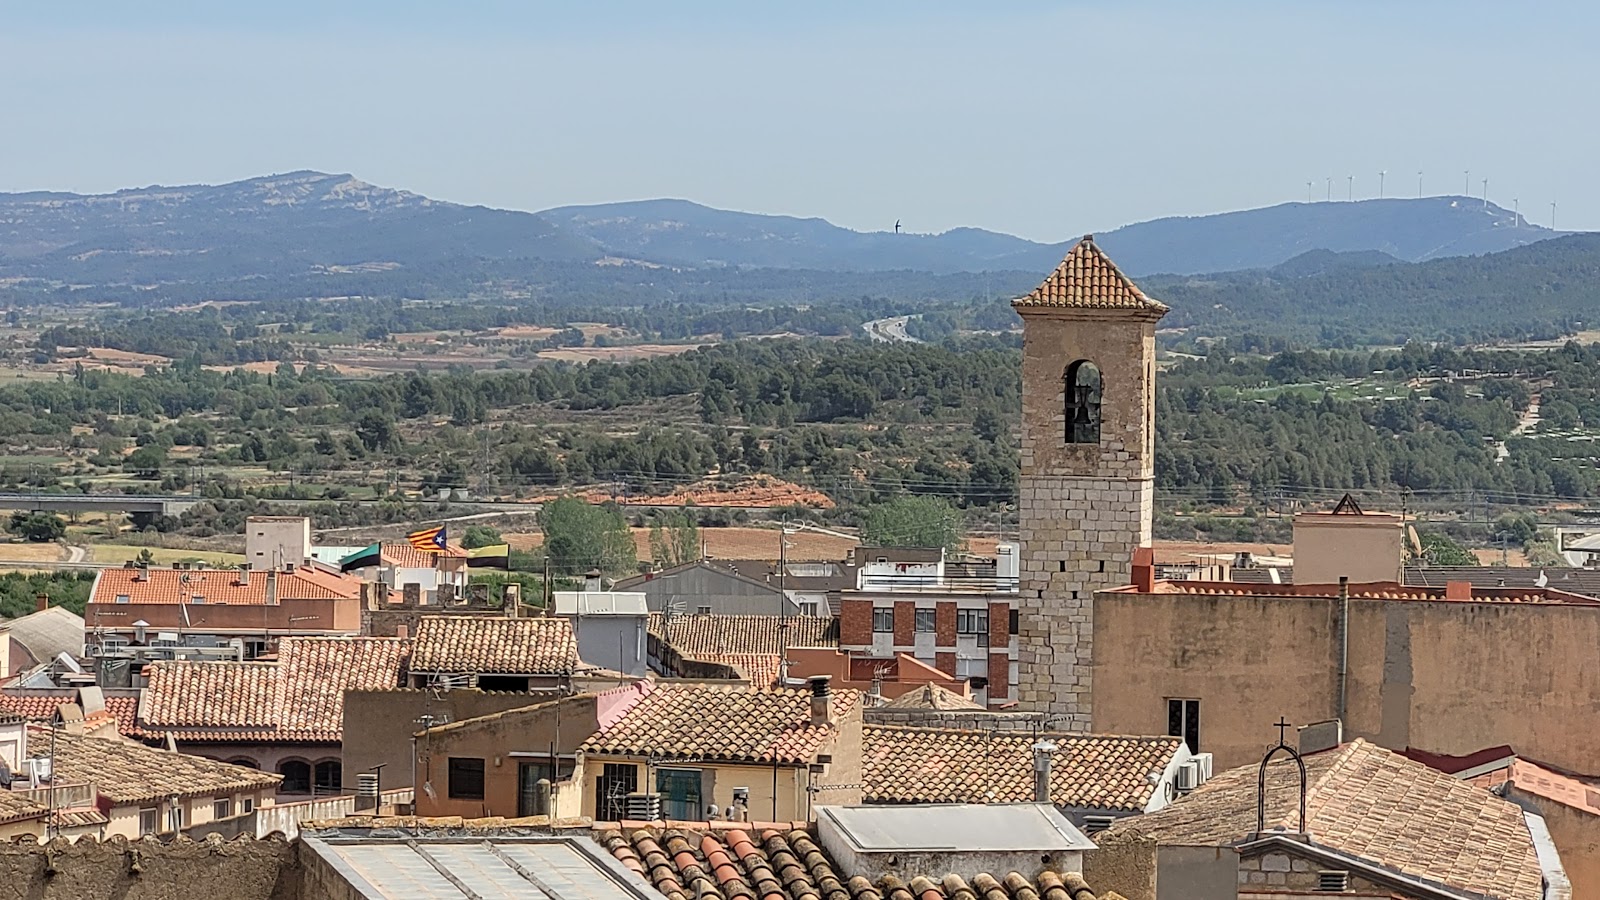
column 617, row 354
column 526, row 332
column 126, row 357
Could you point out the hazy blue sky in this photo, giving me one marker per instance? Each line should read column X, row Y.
column 1040, row 119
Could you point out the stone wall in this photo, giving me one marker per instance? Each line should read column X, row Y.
column 242, row 869
column 1083, row 508
column 1295, row 875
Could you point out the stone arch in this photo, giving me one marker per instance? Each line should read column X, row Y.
column 245, row 761
column 1083, row 393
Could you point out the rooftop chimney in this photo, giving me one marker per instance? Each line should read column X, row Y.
column 1458, row 590
column 244, row 574
column 402, row 631
column 41, row 602
column 1144, row 570
column 820, row 695
column 1042, row 752
column 591, row 580
column 142, row 573
column 272, row 587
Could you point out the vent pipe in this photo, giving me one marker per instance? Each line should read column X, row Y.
column 1344, row 646
column 1042, row 753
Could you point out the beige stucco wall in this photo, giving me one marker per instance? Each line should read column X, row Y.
column 1576, row 834
column 1083, row 507
column 1362, row 548
column 1445, row 677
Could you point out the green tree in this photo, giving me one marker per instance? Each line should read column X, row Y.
column 38, row 527
column 480, row 536
column 674, row 538
column 146, row 461
column 1542, row 550
column 376, row 431
column 912, row 521
column 580, row 536
column 1439, row 549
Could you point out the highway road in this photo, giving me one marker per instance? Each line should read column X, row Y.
column 890, row 330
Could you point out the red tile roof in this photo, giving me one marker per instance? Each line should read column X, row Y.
column 1541, row 782
column 731, row 724
column 299, row 698
column 949, row 765
column 495, row 644
column 1371, row 803
column 128, row 772
column 218, row 586
column 1088, row 279
column 698, row 635
column 746, row 860
column 41, row 706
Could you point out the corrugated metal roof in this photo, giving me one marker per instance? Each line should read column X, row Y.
column 570, row 868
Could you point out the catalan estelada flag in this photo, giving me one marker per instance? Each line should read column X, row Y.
column 428, row 540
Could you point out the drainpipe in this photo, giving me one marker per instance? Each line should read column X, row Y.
column 1344, row 646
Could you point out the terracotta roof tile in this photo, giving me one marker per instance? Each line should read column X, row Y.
column 748, row 861
column 496, row 645
column 40, row 705
column 129, row 772
column 1371, row 803
column 1088, row 279
column 947, row 765
column 761, row 669
column 218, row 586
column 698, row 635
column 17, row 807
column 299, row 698
column 714, row 723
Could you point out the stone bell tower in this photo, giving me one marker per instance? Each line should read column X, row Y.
column 1087, row 478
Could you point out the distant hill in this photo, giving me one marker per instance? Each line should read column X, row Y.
column 1542, row 291
column 315, row 234
column 685, row 233
column 279, row 224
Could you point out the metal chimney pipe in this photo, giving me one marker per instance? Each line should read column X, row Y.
column 820, row 697
column 1042, row 753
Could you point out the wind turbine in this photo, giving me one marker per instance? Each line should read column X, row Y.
column 1381, row 173
column 1308, row 191
column 1466, row 176
column 1552, row 215
column 1516, row 212
column 1350, row 188
column 1419, row 184
column 1330, row 187
column 1486, row 193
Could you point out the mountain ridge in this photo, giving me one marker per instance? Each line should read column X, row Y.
column 306, row 221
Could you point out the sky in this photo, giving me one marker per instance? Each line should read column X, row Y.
column 1045, row 120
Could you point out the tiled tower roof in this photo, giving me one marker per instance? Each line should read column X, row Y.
column 1088, row 279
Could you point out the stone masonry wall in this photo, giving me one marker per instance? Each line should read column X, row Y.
column 240, row 869
column 1077, row 536
column 1084, row 508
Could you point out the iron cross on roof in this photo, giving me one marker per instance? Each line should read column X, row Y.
column 1283, row 730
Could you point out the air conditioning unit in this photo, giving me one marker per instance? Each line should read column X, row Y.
column 643, row 807
column 1188, row 776
column 1096, row 824
column 1204, row 761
